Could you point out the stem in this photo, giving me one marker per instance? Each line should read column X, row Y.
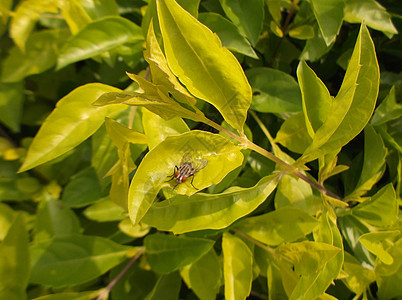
column 290, row 169
column 105, row 292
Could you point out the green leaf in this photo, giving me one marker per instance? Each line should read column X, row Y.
column 388, row 110
column 105, row 211
column 39, row 56
column 358, row 277
column 316, row 47
column 373, row 164
column 389, row 287
column 208, row 70
column 381, row 210
column 99, row 36
column 370, row 12
column 160, row 162
column 83, row 189
column 316, row 98
column 167, row 287
column 376, row 242
column 285, row 224
column 314, row 284
column 158, row 129
column 208, row 211
column 166, row 253
column 293, row 133
column 11, row 104
column 247, row 16
column 302, row 32
column 237, row 267
column 274, row 91
column 354, row 104
column 71, row 122
column 70, row 296
column 55, row 219
column 25, row 17
column 228, row 33
column 75, row 16
column 329, row 15
column 307, row 257
column 14, row 262
column 204, row 276
column 74, row 259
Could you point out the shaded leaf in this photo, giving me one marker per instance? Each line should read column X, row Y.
column 11, row 104
column 167, row 287
column 166, row 253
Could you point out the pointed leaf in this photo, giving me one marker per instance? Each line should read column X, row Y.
column 166, row 253
column 381, row 210
column 208, row 70
column 282, row 225
column 74, row 259
column 208, row 211
column 97, row 37
column 354, row 104
column 72, row 121
column 376, row 243
column 156, row 167
column 237, row 267
column 329, row 15
column 248, row 16
column 389, row 109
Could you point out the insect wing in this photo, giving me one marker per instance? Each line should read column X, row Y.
column 199, row 165
column 187, row 158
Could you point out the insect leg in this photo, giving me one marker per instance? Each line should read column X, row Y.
column 192, row 182
column 174, row 172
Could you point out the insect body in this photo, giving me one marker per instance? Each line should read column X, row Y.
column 187, row 168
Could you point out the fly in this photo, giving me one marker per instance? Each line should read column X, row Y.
column 187, row 169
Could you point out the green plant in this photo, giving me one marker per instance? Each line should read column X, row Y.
column 94, row 204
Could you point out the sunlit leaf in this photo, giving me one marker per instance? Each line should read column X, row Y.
column 237, row 267
column 359, row 278
column 376, row 243
column 354, row 104
column 159, row 164
column 72, row 121
column 208, row 211
column 208, row 70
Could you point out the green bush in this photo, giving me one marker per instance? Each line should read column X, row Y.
column 194, row 149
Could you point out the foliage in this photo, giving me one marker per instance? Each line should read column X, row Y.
column 278, row 105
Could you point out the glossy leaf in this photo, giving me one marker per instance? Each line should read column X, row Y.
column 274, row 91
column 11, row 104
column 71, row 122
column 293, row 133
column 208, row 211
column 316, row 98
column 314, row 284
column 372, row 13
column 14, row 265
column 329, row 15
column 354, row 104
column 358, row 277
column 373, row 164
column 158, row 129
column 247, row 16
column 74, row 259
column 55, row 219
column 40, row 55
column 24, row 18
column 228, row 33
column 160, row 162
column 208, row 70
column 75, row 15
column 381, row 210
column 204, row 276
column 388, row 110
column 376, row 243
column 97, row 37
column 282, row 225
column 166, row 253
column 237, row 267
